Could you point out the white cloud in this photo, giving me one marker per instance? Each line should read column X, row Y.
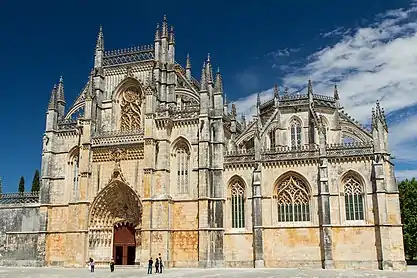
column 405, row 174
column 376, row 62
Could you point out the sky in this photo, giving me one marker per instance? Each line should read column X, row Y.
column 369, row 48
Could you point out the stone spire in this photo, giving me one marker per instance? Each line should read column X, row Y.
column 188, row 67
column 276, row 91
column 172, row 36
column 203, row 81
column 60, row 92
column 310, row 90
column 100, row 39
column 1, row 186
column 234, row 112
column 99, row 53
column 258, row 105
column 164, row 27
column 219, row 82
column 209, row 70
column 52, row 100
column 243, row 122
column 335, row 93
column 157, row 33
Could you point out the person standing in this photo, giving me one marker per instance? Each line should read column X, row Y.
column 92, row 263
column 111, row 265
column 150, row 265
column 156, row 265
column 161, row 265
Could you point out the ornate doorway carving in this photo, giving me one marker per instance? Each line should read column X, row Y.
column 116, row 213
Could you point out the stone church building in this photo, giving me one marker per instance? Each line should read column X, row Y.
column 150, row 160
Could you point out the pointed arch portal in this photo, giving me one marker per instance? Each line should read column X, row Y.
column 115, row 222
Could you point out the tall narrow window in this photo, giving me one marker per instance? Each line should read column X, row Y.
column 238, row 204
column 75, row 175
column 272, row 139
column 295, row 128
column 293, row 200
column 182, row 169
column 353, row 198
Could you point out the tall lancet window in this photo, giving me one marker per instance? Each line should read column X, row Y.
column 238, row 204
column 272, row 139
column 295, row 129
column 354, row 195
column 183, row 160
column 75, row 167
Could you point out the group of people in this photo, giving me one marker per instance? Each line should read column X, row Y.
column 158, row 265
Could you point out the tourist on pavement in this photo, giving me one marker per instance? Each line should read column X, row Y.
column 111, row 264
column 150, row 264
column 160, row 263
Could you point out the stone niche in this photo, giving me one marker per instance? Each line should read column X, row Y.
column 21, row 243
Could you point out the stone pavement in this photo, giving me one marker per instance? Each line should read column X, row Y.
column 200, row 273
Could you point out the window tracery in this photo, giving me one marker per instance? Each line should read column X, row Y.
column 293, row 200
column 237, row 191
column 74, row 174
column 295, row 129
column 182, row 160
column 130, row 109
column 353, row 191
column 272, row 139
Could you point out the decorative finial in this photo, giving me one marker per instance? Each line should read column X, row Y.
column 164, row 27
column 234, row 110
column 52, row 101
column 310, row 87
column 100, row 39
column 203, row 81
column 157, row 33
column 258, row 100
column 276, row 91
column 172, row 36
column 188, row 64
column 335, row 93
column 286, row 91
column 60, row 91
column 219, row 82
column 209, row 70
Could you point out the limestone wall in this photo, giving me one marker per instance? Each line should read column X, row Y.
column 20, row 242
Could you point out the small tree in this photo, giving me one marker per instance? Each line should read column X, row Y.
column 408, row 204
column 36, row 182
column 22, row 185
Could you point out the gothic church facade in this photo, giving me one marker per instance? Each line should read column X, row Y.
column 150, row 160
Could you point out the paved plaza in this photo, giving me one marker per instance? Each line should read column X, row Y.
column 201, row 273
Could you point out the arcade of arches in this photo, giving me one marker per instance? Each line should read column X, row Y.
column 115, row 223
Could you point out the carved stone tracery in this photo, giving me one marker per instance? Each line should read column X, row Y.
column 130, row 109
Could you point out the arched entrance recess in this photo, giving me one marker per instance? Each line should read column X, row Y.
column 115, row 221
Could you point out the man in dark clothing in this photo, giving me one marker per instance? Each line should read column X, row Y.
column 150, row 264
column 161, row 265
column 111, row 265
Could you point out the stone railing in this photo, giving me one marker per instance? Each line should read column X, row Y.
column 350, row 149
column 239, row 156
column 174, row 112
column 120, row 137
column 289, row 153
column 128, row 55
column 322, row 97
column 19, row 198
column 67, row 124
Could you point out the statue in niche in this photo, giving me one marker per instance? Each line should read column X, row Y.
column 130, row 109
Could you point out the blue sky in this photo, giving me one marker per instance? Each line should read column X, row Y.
column 368, row 47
